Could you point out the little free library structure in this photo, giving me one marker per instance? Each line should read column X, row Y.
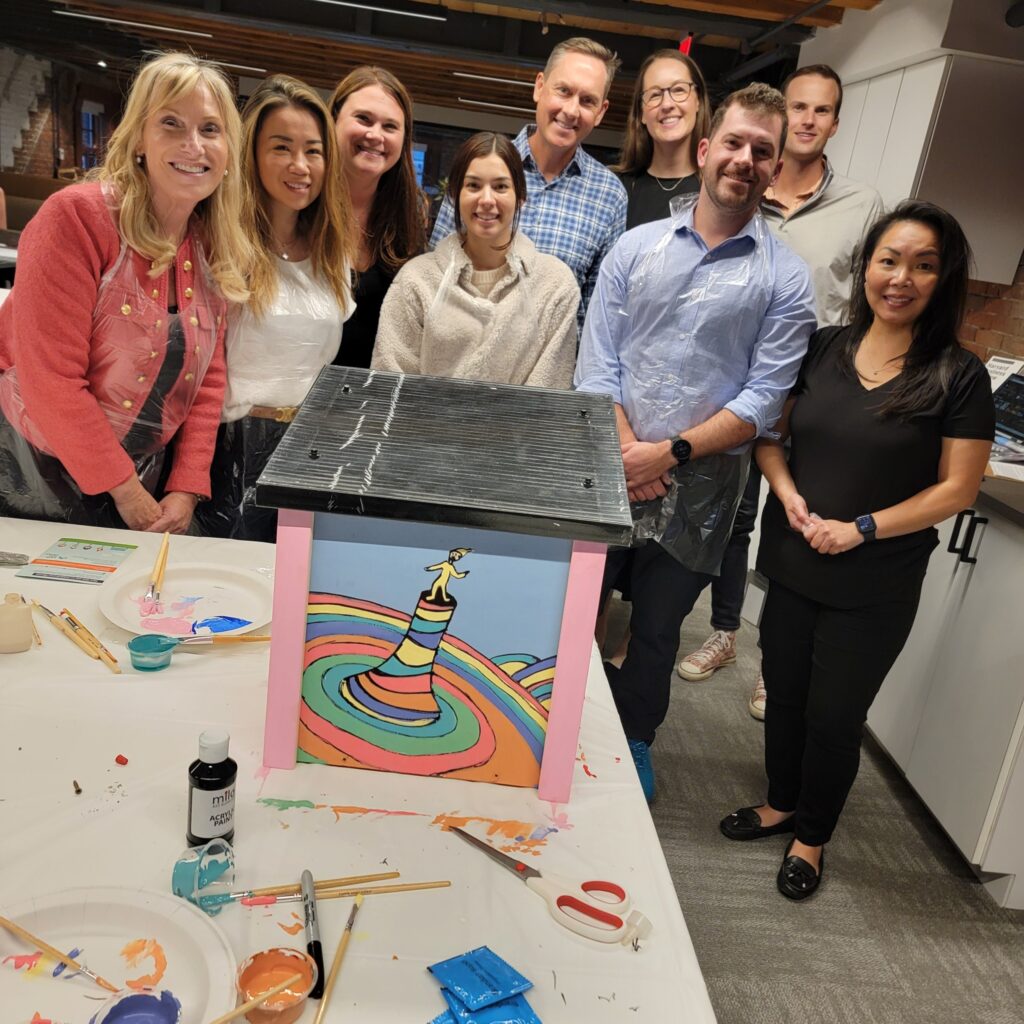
column 440, row 549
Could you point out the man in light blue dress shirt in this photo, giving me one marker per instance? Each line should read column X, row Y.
column 697, row 329
column 575, row 207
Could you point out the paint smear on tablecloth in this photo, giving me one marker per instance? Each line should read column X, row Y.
column 145, row 949
column 24, row 961
column 518, row 836
column 295, row 927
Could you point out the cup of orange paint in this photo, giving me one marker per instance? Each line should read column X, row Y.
column 262, row 971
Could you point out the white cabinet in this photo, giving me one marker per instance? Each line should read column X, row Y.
column 951, row 712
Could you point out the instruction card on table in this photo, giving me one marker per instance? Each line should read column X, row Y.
column 74, row 560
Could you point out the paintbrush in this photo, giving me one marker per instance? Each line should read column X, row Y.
column 338, row 957
column 335, row 894
column 289, row 890
column 239, row 1011
column 56, row 954
column 101, row 652
column 198, row 641
column 151, row 599
column 66, row 628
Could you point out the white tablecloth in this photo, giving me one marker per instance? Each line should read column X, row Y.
column 63, row 717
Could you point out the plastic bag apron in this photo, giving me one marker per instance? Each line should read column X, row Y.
column 693, row 522
column 145, row 369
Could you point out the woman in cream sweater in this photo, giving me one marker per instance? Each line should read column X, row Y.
column 484, row 305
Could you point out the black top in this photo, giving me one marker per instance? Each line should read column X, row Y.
column 649, row 196
column 847, row 461
column 360, row 330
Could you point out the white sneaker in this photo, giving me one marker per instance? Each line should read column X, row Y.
column 758, row 698
column 718, row 650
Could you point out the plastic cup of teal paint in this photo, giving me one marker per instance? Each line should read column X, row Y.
column 151, row 652
column 146, row 1006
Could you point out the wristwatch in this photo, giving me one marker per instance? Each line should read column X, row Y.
column 866, row 525
column 681, row 451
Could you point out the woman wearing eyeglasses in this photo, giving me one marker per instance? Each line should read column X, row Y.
column 668, row 118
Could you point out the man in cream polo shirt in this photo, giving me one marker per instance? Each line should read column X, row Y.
column 819, row 214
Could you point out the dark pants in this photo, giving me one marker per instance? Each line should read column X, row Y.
column 728, row 588
column 663, row 593
column 822, row 669
column 243, row 450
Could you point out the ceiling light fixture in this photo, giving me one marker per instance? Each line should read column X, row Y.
column 134, row 24
column 544, row 23
column 240, row 67
column 101, row 63
column 491, row 78
column 498, row 106
column 383, row 10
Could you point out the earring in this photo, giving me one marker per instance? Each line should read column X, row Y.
column 139, row 158
column 225, row 174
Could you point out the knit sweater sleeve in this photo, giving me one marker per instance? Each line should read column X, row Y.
column 399, row 345
column 197, row 436
column 557, row 359
column 62, row 255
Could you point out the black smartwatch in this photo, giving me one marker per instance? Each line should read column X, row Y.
column 866, row 526
column 681, row 451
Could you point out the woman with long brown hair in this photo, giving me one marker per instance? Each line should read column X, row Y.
column 111, row 344
column 669, row 115
column 296, row 214
column 484, row 305
column 372, row 114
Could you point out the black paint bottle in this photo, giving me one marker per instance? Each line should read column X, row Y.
column 211, row 791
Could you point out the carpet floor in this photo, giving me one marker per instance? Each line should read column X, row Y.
column 901, row 931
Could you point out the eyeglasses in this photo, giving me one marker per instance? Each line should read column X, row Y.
column 679, row 92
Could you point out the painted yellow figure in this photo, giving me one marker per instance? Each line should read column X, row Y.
column 446, row 571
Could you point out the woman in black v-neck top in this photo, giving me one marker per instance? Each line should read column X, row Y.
column 891, row 423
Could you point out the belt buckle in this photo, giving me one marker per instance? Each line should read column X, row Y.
column 285, row 414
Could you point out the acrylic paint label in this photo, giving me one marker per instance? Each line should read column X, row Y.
column 211, row 812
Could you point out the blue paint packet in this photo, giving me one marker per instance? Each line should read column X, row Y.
column 479, row 978
column 515, row 1010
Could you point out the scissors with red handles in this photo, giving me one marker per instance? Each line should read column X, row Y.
column 594, row 909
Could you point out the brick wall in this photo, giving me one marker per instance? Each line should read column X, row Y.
column 24, row 79
column 995, row 318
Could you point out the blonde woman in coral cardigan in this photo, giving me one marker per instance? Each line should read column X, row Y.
column 484, row 305
column 111, row 344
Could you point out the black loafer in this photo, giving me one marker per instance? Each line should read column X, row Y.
column 746, row 824
column 797, row 879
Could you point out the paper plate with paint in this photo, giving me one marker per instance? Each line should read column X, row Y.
column 196, row 600
column 138, row 940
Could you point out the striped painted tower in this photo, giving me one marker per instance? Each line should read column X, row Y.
column 400, row 689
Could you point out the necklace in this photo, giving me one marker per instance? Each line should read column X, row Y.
column 672, row 187
column 283, row 247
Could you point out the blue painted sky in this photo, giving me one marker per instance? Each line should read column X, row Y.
column 511, row 602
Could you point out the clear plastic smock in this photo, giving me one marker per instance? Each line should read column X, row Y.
column 146, row 366
column 676, row 338
column 272, row 361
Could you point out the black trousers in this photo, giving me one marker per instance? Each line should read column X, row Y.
column 822, row 668
column 663, row 593
column 730, row 585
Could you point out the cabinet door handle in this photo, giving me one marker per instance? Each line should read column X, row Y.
column 955, row 548
column 965, row 551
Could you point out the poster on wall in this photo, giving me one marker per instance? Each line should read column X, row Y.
column 430, row 649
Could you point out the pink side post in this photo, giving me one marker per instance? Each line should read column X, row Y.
column 575, row 642
column 291, row 596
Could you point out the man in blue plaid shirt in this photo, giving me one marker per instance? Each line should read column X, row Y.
column 576, row 207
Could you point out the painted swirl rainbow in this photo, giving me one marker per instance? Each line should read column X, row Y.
column 382, row 689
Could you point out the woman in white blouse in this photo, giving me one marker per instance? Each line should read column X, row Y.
column 299, row 220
